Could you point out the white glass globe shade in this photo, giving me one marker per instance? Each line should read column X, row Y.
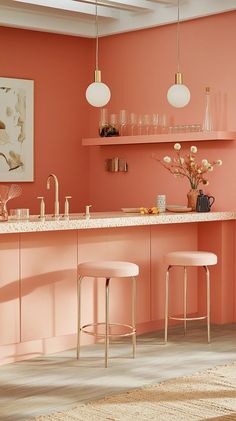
column 98, row 94
column 178, row 95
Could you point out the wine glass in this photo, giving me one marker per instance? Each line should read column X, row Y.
column 133, row 123
column 114, row 123
column 155, row 123
column 140, row 124
column 163, row 123
column 123, row 122
column 146, row 122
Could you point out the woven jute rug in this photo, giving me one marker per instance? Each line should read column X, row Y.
column 209, row 395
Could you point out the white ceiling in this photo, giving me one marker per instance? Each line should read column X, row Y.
column 77, row 17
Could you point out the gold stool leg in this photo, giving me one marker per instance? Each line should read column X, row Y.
column 208, row 303
column 134, row 315
column 107, row 322
column 167, row 301
column 185, row 299
column 79, row 280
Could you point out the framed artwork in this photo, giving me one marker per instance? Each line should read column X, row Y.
column 16, row 129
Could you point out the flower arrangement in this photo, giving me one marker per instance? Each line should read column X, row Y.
column 187, row 166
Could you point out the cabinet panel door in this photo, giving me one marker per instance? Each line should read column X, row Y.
column 9, row 290
column 124, row 244
column 48, row 272
column 164, row 239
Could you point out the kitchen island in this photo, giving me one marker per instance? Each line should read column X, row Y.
column 38, row 274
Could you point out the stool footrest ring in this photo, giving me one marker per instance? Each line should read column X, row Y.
column 132, row 330
column 187, row 318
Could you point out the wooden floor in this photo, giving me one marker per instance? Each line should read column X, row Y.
column 41, row 385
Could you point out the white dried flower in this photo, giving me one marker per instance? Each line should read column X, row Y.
column 181, row 160
column 193, row 149
column 205, row 162
column 219, row 162
column 167, row 159
column 210, row 168
column 177, row 146
column 199, row 171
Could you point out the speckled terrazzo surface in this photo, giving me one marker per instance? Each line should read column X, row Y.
column 109, row 220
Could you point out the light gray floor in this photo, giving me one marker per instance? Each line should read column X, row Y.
column 42, row 385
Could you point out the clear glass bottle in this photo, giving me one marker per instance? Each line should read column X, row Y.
column 207, row 125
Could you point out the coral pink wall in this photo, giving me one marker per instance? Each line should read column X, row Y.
column 139, row 67
column 59, row 67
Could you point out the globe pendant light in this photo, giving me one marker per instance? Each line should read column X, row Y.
column 178, row 95
column 97, row 93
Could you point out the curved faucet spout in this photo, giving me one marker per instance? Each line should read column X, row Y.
column 56, row 204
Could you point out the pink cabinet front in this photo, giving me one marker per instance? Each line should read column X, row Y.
column 124, row 244
column 48, row 284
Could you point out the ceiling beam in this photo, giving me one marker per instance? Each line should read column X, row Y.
column 128, row 5
column 71, row 6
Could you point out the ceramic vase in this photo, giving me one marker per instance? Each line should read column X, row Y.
column 192, row 198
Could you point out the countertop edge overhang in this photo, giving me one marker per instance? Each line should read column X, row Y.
column 110, row 220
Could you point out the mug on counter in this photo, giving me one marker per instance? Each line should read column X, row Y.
column 161, row 202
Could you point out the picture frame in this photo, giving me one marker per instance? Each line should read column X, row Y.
column 16, row 130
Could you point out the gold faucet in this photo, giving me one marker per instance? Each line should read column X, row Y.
column 56, row 204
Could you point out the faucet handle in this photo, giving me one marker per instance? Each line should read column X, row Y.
column 42, row 206
column 87, row 211
column 66, row 209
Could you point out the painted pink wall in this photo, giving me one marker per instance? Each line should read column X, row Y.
column 139, row 67
column 59, row 67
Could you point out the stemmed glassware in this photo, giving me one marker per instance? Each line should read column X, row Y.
column 155, row 123
column 114, row 123
column 146, row 122
column 123, row 122
column 133, row 124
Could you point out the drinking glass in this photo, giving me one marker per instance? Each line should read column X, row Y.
column 155, row 123
column 114, row 125
column 140, row 124
column 133, row 124
column 103, row 117
column 163, row 123
column 146, row 122
column 103, row 122
column 123, row 122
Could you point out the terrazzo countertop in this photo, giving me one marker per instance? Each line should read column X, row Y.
column 109, row 220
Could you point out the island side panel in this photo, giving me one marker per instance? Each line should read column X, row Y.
column 124, row 244
column 219, row 238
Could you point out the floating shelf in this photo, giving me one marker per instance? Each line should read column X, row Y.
column 159, row 138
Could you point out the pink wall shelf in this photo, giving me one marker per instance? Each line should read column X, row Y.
column 160, row 138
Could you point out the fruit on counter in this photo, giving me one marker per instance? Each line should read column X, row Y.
column 149, row 211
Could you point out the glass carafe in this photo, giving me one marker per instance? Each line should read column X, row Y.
column 207, row 125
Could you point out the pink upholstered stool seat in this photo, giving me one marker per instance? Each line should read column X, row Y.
column 107, row 270
column 187, row 259
column 190, row 258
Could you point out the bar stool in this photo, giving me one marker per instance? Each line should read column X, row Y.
column 108, row 270
column 186, row 259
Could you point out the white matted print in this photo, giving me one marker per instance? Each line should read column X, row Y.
column 16, row 129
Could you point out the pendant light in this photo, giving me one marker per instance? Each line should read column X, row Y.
column 97, row 93
column 178, row 95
